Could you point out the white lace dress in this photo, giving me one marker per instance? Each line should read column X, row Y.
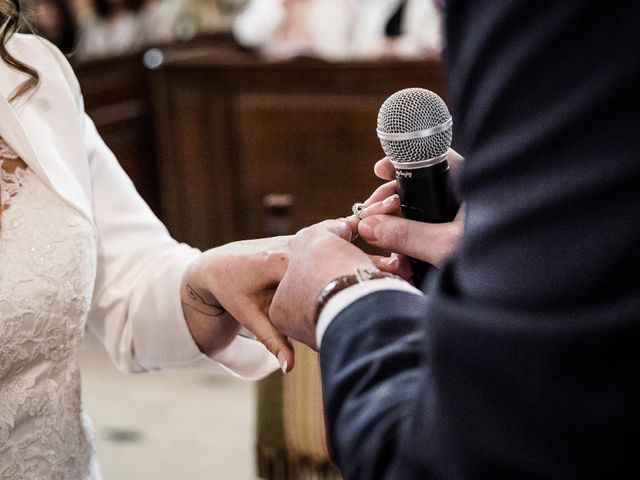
column 47, row 272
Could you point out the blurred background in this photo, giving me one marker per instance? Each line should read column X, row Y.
column 235, row 119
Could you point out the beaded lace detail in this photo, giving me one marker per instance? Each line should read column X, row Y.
column 47, row 272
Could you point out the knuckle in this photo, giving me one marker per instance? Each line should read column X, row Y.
column 399, row 234
column 300, row 234
column 272, row 344
column 275, row 257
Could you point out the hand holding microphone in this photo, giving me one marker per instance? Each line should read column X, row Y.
column 414, row 126
column 323, row 252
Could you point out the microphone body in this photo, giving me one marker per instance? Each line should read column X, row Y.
column 426, row 194
column 414, row 126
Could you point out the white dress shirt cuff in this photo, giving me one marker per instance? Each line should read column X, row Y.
column 346, row 297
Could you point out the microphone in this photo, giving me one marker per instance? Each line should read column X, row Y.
column 414, row 128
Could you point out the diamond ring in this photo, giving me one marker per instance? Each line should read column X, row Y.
column 357, row 208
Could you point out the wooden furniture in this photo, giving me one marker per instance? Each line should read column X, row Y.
column 232, row 129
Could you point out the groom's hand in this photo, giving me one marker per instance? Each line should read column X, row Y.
column 317, row 255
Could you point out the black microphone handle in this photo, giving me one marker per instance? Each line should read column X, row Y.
column 426, row 195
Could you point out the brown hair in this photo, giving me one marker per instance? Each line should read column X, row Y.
column 11, row 21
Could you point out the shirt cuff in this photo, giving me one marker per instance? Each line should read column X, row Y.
column 346, row 297
column 164, row 341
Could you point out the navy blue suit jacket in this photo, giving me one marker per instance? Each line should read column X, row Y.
column 524, row 360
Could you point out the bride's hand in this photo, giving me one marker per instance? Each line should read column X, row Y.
column 232, row 286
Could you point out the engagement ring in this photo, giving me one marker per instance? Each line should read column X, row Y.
column 357, row 208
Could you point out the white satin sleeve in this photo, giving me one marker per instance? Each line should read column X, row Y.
column 136, row 308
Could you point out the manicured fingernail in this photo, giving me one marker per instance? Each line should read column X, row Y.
column 389, row 200
column 367, row 228
column 390, row 261
column 283, row 362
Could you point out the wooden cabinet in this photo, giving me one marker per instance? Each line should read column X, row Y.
column 232, row 128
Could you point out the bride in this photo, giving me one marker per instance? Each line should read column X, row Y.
column 79, row 246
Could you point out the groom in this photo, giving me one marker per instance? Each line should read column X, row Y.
column 520, row 360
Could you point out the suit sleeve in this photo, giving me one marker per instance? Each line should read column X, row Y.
column 374, row 372
column 136, row 307
column 528, row 363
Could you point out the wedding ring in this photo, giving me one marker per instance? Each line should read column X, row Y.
column 357, row 208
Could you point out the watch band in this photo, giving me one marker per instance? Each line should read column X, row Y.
column 345, row 281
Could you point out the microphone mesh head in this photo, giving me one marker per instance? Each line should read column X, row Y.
column 413, row 110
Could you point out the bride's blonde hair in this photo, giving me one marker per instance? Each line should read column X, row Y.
column 11, row 21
